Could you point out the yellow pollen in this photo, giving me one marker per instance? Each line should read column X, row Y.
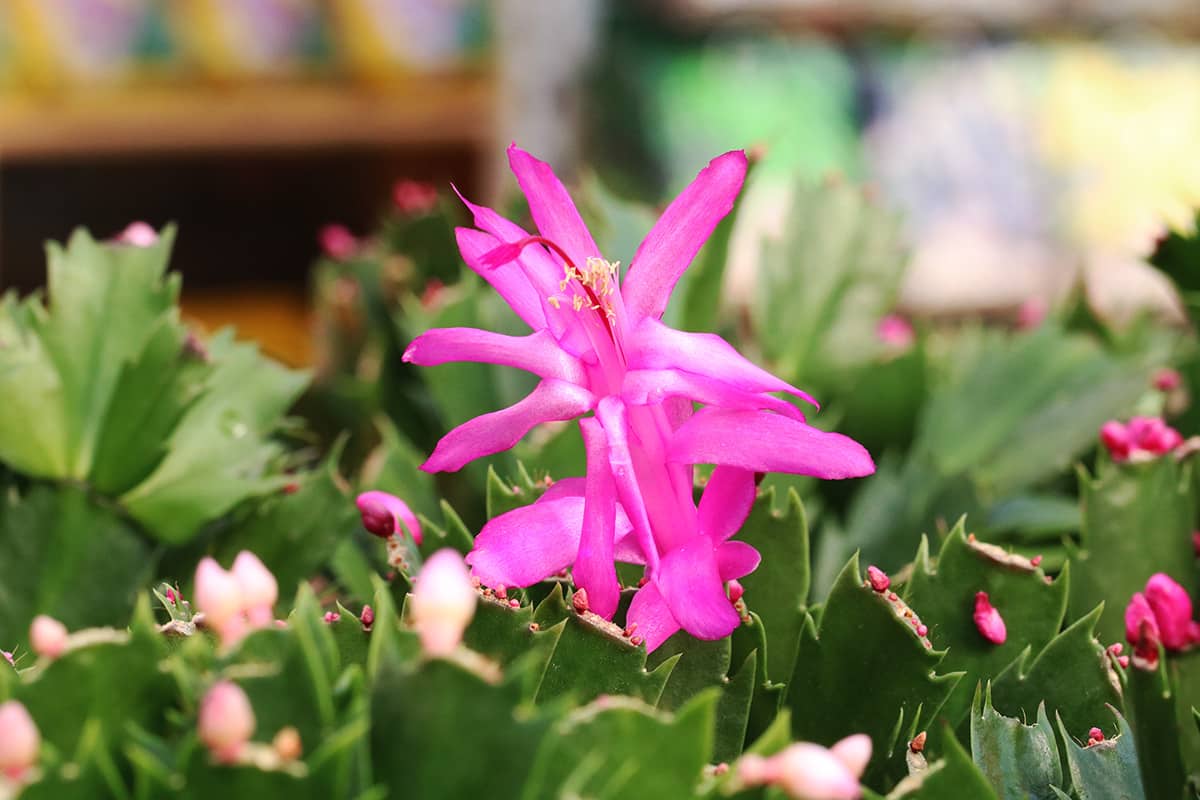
column 599, row 277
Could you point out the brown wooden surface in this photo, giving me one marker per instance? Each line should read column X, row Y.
column 278, row 318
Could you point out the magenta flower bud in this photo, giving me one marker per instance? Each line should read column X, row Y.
column 19, row 740
column 337, row 242
column 895, row 331
column 367, row 618
column 443, row 602
column 878, row 579
column 47, row 636
column 988, row 620
column 1116, row 438
column 1167, row 380
column 1095, row 735
column 258, row 588
column 137, row 234
column 1141, row 628
column 219, row 598
column 226, row 721
column 1172, row 610
column 1152, row 435
column 736, row 591
column 384, row 514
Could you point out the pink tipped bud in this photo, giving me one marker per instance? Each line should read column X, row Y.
column 414, row 197
column 47, row 636
column 218, row 596
column 988, row 621
column 810, row 772
column 443, row 602
column 137, row 234
column 332, row 617
column 1172, row 610
column 19, row 740
column 1095, row 735
column 287, row 744
column 367, row 618
column 172, row 598
column 895, row 332
column 226, row 720
column 384, row 514
column 1031, row 313
column 258, row 587
column 337, row 242
column 1167, row 380
column 1036, row 561
column 878, row 579
column 736, row 591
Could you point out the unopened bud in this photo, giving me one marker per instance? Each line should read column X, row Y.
column 137, row 234
column 19, row 740
column 878, row 579
column 988, row 621
column 258, row 587
column 384, row 515
column 226, row 721
column 367, row 617
column 808, row 771
column 287, row 744
column 736, row 591
column 337, row 242
column 1172, row 609
column 47, row 636
column 218, row 594
column 443, row 602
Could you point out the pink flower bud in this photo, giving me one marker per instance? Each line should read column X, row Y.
column 414, row 197
column 1031, row 313
column 895, row 332
column 443, row 602
column 736, row 591
column 332, row 617
column 8, row 657
column 226, row 720
column 988, row 621
column 854, row 752
column 337, row 242
column 137, row 234
column 258, row 588
column 219, row 597
column 1172, row 610
column 808, row 771
column 1141, row 629
column 1167, row 380
column 1095, row 735
column 19, row 740
column 384, row 514
column 287, row 744
column 878, row 579
column 367, row 618
column 47, row 636
column 1143, row 436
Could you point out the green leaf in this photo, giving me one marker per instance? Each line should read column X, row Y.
column 700, row 665
column 944, row 596
column 778, row 590
column 864, row 669
column 1020, row 761
column 643, row 753
column 1107, row 770
column 593, row 658
column 1072, row 675
column 1159, row 726
column 953, row 777
column 733, row 711
column 51, row 541
column 1137, row 520
column 749, row 639
column 204, row 779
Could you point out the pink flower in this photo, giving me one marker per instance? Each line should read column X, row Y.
column 1142, row 438
column 895, row 332
column 443, row 602
column 19, row 740
column 137, row 234
column 47, row 636
column 988, row 620
column 414, row 197
column 337, row 242
column 598, row 346
column 226, row 721
column 1167, row 380
column 810, row 772
column 384, row 515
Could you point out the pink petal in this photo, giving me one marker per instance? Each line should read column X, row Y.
column 691, row 585
column 553, row 211
column 726, row 502
column 653, row 619
column 653, row 386
column 508, row 280
column 656, row 346
column 679, row 234
column 577, row 487
column 766, row 442
column 594, row 568
column 490, row 433
column 528, row 544
column 1172, row 610
column 538, row 352
column 611, row 413
column 736, row 560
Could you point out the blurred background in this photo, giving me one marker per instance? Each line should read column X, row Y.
column 1023, row 143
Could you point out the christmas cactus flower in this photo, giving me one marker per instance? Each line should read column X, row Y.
column 598, row 345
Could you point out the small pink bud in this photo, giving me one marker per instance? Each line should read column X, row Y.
column 1123, row 661
column 1143, row 436
column 443, row 602
column 367, row 618
column 332, row 617
column 1167, row 380
column 8, row 657
column 337, row 242
column 47, row 636
column 1095, row 735
column 414, row 197
column 808, row 771
column 226, row 721
column 1116, row 439
column 19, row 740
column 384, row 514
column 258, row 588
column 988, row 621
column 1172, row 610
column 1036, row 561
column 1115, row 649
column 736, row 591
column 287, row 744
column 218, row 594
column 878, row 579
column 895, row 332
column 172, row 598
column 922, row 630
column 1031, row 313
column 137, row 234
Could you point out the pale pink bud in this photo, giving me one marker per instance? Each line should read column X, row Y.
column 218, row 595
column 384, row 514
column 1167, row 380
column 19, row 740
column 878, row 579
column 988, row 621
column 8, row 657
column 1172, row 610
column 1031, row 313
column 810, row 772
column 443, row 602
column 895, row 331
column 226, row 720
column 854, row 752
column 337, row 242
column 137, row 234
column 47, row 636
column 258, row 587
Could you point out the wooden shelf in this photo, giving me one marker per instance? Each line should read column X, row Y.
column 280, row 320
column 83, row 123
